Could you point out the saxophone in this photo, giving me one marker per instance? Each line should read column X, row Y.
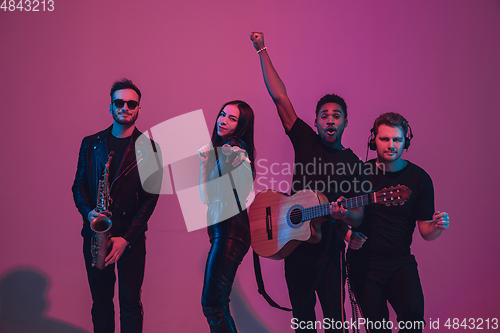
column 101, row 224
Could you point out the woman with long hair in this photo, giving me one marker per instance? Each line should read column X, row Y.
column 226, row 179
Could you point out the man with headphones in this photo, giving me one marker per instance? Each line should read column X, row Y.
column 384, row 270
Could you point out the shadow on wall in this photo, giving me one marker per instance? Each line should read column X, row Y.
column 244, row 316
column 23, row 304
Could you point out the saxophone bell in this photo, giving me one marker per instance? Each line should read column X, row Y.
column 101, row 224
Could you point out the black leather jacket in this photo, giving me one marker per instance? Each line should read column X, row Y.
column 131, row 205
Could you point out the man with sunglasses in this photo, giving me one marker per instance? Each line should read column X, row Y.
column 130, row 208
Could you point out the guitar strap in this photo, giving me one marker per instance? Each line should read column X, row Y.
column 260, row 284
column 256, row 259
column 321, row 275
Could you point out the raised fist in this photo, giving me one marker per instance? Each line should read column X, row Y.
column 258, row 40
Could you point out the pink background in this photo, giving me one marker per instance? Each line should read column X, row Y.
column 434, row 61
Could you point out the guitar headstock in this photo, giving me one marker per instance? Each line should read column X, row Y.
column 394, row 195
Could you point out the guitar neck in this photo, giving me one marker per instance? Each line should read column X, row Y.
column 322, row 210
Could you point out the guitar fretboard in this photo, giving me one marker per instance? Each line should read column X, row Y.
column 322, row 210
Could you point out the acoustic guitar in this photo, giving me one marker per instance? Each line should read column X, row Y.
column 279, row 223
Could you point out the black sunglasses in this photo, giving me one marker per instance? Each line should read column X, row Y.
column 119, row 103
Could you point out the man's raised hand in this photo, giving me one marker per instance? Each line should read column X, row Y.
column 258, row 40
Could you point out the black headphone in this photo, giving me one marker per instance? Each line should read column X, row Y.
column 373, row 146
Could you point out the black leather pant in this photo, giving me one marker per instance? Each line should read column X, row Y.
column 222, row 263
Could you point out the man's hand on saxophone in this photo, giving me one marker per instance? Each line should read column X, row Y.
column 93, row 214
column 118, row 245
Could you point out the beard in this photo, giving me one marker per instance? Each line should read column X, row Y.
column 123, row 121
column 389, row 159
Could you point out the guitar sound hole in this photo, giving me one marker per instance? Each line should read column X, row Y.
column 296, row 216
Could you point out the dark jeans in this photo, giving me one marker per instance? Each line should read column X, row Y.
column 376, row 282
column 222, row 263
column 102, row 285
column 301, row 272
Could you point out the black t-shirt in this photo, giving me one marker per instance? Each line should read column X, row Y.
column 323, row 169
column 390, row 228
column 118, row 146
